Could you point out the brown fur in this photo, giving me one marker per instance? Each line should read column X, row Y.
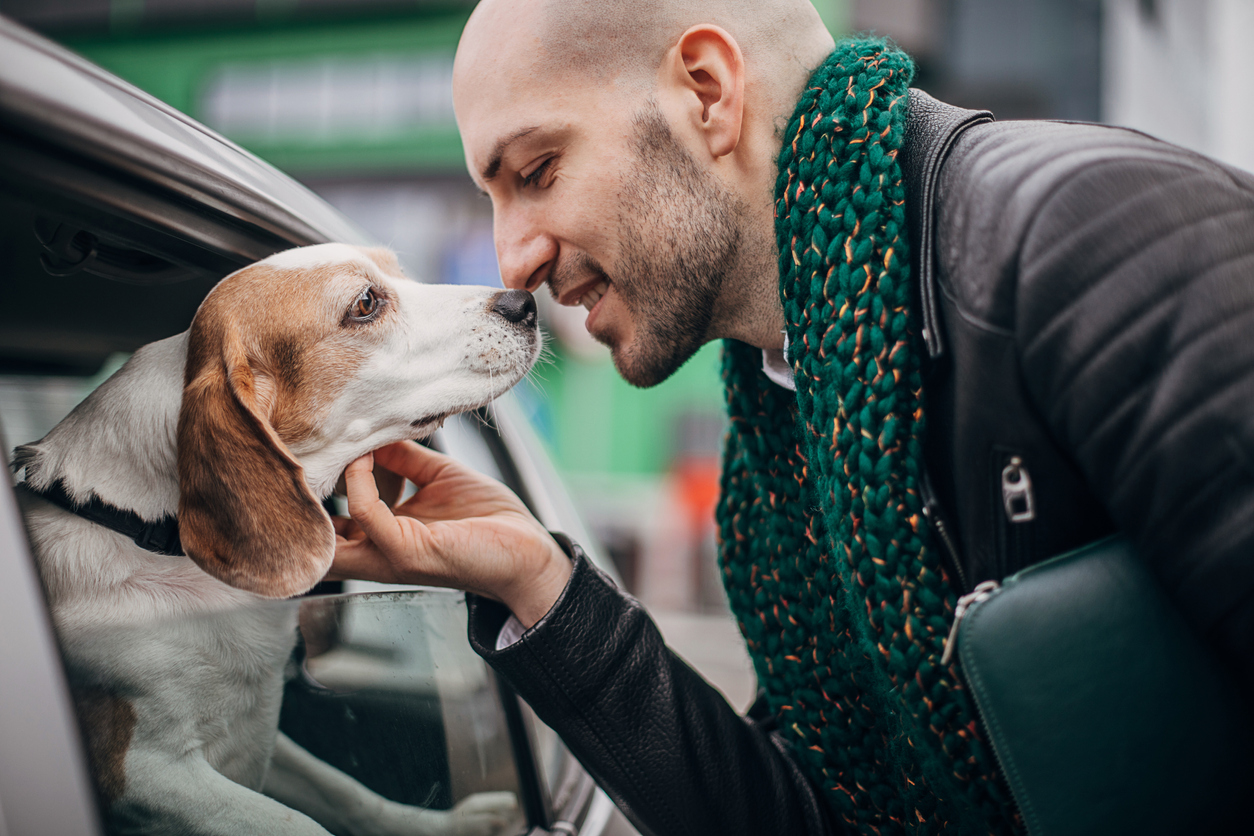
column 108, row 723
column 267, row 354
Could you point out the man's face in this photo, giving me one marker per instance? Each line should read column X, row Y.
column 603, row 203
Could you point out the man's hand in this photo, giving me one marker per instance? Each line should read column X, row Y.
column 462, row 529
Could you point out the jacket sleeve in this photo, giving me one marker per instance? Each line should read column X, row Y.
column 1135, row 329
column 661, row 741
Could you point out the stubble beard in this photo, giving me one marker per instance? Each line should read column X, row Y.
column 680, row 235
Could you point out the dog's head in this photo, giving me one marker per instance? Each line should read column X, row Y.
column 304, row 361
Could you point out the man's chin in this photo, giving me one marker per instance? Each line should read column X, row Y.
column 645, row 370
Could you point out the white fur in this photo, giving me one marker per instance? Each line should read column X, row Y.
column 457, row 359
column 200, row 662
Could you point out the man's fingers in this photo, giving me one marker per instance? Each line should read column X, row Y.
column 361, row 560
column 345, row 527
column 365, row 507
column 359, row 478
column 410, row 459
column 391, row 485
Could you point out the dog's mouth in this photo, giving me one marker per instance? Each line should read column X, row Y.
column 436, row 419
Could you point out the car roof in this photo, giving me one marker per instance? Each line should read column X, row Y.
column 118, row 213
column 51, row 94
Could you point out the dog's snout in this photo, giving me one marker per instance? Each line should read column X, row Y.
column 517, row 306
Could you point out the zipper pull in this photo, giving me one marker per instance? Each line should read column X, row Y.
column 982, row 592
column 932, row 510
column 1016, row 492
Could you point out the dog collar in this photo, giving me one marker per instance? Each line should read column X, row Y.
column 161, row 537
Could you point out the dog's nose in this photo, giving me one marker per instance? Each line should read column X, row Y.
column 517, row 306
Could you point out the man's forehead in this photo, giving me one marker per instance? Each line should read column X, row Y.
column 510, row 89
column 500, row 42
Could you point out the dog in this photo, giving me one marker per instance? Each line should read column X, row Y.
column 191, row 483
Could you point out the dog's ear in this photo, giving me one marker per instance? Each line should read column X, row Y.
column 246, row 514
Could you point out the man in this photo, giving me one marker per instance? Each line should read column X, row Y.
column 1006, row 341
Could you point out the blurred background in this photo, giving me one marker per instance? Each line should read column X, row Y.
column 353, row 98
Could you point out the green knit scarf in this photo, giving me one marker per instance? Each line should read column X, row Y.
column 827, row 558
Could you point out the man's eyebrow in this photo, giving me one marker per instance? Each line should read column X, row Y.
column 498, row 151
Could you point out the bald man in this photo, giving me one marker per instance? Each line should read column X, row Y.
column 1074, row 305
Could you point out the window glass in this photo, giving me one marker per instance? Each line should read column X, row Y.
column 31, row 405
column 418, row 712
column 553, row 759
column 462, row 438
column 377, row 711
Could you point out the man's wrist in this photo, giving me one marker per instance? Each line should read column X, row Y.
column 532, row 599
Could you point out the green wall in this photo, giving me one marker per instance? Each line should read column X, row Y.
column 174, row 67
column 601, row 424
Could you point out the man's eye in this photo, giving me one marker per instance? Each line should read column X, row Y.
column 533, row 179
column 366, row 306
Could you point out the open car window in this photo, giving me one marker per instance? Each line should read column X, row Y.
column 377, row 690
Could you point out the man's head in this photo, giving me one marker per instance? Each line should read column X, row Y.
column 629, row 151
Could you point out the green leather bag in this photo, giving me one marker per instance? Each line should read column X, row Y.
column 1106, row 711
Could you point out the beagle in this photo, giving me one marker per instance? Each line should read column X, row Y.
column 190, row 483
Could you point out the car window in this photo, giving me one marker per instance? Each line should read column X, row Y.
column 390, row 693
column 374, row 700
column 557, row 767
column 462, row 437
column 380, row 702
column 30, row 405
column 380, row 690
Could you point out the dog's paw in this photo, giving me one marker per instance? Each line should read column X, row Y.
column 483, row 814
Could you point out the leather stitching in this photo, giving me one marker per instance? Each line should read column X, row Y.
column 567, row 684
column 1120, row 330
column 1111, row 274
column 1171, row 429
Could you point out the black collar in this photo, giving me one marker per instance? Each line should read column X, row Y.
column 161, row 537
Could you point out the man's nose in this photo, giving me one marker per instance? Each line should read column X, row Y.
column 525, row 253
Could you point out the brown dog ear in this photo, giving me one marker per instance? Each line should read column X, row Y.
column 246, row 514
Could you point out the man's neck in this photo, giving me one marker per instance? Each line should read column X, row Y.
column 749, row 307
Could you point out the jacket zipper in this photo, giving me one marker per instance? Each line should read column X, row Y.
column 982, row 592
column 1019, row 504
column 932, row 510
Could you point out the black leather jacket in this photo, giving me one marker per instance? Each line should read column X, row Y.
column 1086, row 295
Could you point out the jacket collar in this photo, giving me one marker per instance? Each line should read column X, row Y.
column 932, row 129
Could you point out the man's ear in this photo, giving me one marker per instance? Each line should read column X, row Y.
column 246, row 514
column 706, row 64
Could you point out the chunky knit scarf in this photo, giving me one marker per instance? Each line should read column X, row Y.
column 827, row 558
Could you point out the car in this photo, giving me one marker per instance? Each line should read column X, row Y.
column 117, row 215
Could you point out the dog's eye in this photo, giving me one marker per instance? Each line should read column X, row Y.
column 366, row 306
